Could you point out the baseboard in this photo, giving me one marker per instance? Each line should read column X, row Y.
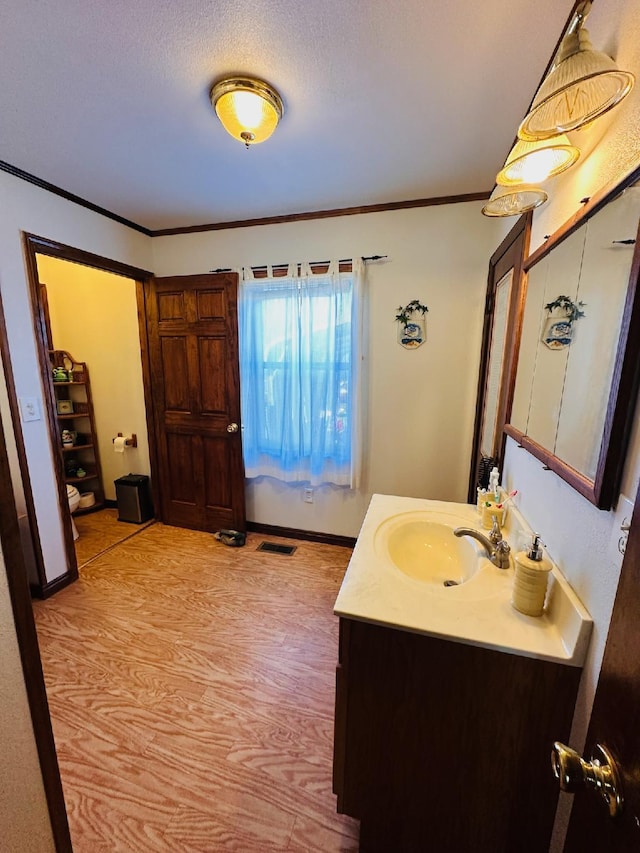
column 309, row 535
column 110, row 504
column 48, row 589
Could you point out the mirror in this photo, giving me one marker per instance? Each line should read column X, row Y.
column 499, row 340
column 495, row 366
column 577, row 368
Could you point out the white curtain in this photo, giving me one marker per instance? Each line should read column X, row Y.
column 300, row 374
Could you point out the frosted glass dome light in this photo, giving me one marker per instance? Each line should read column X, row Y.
column 535, row 162
column 248, row 109
column 512, row 201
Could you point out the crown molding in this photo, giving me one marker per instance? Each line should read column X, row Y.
column 242, row 223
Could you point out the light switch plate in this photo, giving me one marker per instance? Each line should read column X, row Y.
column 29, row 409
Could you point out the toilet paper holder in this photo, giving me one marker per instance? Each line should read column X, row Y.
column 132, row 441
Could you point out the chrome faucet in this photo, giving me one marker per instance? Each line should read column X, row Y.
column 497, row 548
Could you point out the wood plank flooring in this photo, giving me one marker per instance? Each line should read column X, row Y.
column 191, row 688
column 99, row 531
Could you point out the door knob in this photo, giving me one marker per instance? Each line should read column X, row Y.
column 233, row 427
column 601, row 774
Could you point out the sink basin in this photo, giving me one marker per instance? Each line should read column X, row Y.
column 426, row 549
column 406, row 551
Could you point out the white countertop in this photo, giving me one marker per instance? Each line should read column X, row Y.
column 477, row 612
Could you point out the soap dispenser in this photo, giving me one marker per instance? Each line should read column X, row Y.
column 530, row 582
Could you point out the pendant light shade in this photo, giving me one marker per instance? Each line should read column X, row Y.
column 512, row 201
column 583, row 84
column 248, row 109
column 534, row 162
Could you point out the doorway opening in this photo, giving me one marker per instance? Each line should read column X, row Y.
column 91, row 321
column 89, row 308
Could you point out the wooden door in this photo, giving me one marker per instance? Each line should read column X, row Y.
column 615, row 719
column 193, row 352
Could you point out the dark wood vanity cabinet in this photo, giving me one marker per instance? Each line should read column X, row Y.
column 445, row 747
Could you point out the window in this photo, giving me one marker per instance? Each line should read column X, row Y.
column 299, row 374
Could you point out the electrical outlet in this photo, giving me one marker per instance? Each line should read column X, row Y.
column 29, row 409
column 307, row 496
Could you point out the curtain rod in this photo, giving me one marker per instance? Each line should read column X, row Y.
column 365, row 258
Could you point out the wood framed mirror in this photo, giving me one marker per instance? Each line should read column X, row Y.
column 500, row 337
column 578, row 364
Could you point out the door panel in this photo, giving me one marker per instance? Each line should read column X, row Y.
column 212, row 358
column 171, row 306
column 210, row 305
column 181, row 468
column 175, row 369
column 217, row 474
column 193, row 349
column 615, row 719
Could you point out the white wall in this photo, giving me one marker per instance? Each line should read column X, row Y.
column 24, row 819
column 23, row 812
column 16, row 483
column 419, row 416
column 94, row 316
column 580, row 538
column 27, row 208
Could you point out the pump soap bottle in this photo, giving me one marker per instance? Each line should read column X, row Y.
column 530, row 583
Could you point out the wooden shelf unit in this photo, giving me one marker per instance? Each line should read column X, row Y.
column 76, row 392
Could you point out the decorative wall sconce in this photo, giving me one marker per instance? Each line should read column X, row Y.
column 412, row 329
column 248, row 109
column 558, row 329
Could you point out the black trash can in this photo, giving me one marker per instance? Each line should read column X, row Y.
column 134, row 499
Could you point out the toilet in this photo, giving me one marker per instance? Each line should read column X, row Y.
column 73, row 496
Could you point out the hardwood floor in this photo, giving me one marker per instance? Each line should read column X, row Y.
column 191, row 688
column 101, row 530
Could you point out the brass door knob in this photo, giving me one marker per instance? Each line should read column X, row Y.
column 233, row 427
column 601, row 774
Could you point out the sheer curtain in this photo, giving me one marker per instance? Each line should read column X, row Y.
column 300, row 366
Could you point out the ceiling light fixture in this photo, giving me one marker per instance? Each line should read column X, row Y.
column 248, row 109
column 583, row 84
column 535, row 162
column 512, row 201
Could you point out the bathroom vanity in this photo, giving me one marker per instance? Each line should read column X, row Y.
column 447, row 700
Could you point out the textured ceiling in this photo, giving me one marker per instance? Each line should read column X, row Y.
column 385, row 101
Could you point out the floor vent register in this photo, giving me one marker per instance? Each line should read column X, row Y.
column 274, row 548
